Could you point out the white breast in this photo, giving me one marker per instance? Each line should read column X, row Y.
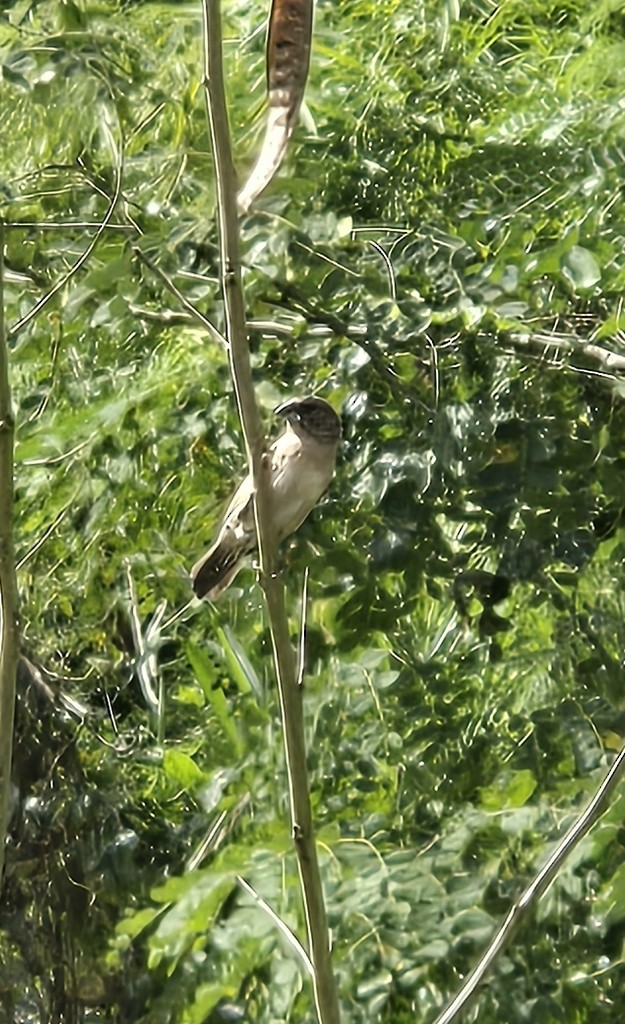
column 300, row 473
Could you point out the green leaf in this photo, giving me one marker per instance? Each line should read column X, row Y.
column 182, row 768
column 580, row 267
column 609, row 904
column 241, row 668
column 511, row 789
column 207, row 677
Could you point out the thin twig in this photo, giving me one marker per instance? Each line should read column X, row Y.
column 290, row 694
column 614, row 362
column 521, row 909
column 293, row 298
column 182, row 299
column 301, row 661
column 207, row 844
column 48, row 531
column 66, row 225
column 392, row 280
column 281, row 925
column 168, row 317
column 9, row 635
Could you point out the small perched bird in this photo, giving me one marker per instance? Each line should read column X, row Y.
column 302, row 464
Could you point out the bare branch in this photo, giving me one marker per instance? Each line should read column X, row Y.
column 66, row 225
column 292, row 298
column 301, row 661
column 192, row 310
column 548, row 344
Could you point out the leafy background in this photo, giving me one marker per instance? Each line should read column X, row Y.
column 442, row 257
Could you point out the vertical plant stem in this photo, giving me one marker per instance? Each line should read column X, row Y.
column 9, row 636
column 326, row 999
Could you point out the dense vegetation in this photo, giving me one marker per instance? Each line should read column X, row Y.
column 443, row 258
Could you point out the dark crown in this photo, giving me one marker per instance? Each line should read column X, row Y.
column 315, row 416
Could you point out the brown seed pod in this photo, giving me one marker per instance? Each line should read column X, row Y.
column 288, row 59
column 288, row 51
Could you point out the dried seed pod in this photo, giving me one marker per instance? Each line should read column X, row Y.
column 288, row 59
column 288, row 51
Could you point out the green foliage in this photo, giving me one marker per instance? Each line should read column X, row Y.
column 438, row 257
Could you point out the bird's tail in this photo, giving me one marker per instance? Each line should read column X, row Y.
column 215, row 570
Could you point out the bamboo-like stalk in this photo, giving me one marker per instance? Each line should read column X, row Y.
column 9, row 636
column 290, row 693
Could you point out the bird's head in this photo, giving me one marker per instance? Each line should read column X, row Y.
column 311, row 418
